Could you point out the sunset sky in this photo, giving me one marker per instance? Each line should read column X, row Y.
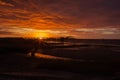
column 96, row 19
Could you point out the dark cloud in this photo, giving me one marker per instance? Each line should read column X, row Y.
column 60, row 14
column 95, row 12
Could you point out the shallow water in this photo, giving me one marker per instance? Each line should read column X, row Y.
column 47, row 75
column 41, row 55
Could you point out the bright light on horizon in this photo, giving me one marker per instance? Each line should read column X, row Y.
column 41, row 35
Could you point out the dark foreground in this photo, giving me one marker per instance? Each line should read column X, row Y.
column 20, row 67
column 58, row 61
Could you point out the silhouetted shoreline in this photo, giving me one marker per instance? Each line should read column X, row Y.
column 79, row 57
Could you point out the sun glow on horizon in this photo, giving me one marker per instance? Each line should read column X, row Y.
column 41, row 35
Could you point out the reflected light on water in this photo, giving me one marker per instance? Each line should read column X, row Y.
column 41, row 55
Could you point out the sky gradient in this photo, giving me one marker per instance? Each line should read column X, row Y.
column 94, row 19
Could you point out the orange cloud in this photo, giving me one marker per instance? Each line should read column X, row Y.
column 2, row 3
column 60, row 15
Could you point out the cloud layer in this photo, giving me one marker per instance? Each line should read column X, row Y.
column 68, row 15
